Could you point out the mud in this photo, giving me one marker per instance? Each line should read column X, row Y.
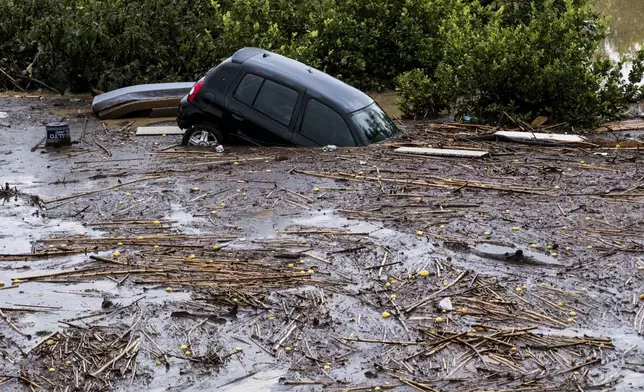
column 573, row 214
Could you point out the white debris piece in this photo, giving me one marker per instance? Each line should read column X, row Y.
column 164, row 130
column 445, row 304
column 442, row 152
column 541, row 137
column 4, row 114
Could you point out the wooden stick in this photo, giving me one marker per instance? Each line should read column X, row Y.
column 103, row 189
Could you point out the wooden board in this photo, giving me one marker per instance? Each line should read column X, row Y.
column 540, row 137
column 137, row 106
column 161, row 130
column 442, row 152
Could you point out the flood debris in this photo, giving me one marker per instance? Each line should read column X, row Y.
column 159, row 131
column 443, row 152
column 140, row 98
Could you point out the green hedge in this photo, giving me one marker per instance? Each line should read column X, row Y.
column 522, row 57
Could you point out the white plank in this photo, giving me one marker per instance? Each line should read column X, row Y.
column 443, row 152
column 541, row 137
column 151, row 131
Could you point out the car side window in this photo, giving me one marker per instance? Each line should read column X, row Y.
column 324, row 125
column 276, row 101
column 248, row 88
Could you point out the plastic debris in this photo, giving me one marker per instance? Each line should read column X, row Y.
column 445, row 304
column 330, row 148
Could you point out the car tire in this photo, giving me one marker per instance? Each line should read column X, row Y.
column 203, row 135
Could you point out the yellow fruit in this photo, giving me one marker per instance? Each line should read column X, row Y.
column 572, row 313
column 518, row 289
column 564, row 228
column 640, row 267
column 215, row 248
column 609, row 265
column 63, row 246
column 155, row 246
column 158, row 363
column 386, row 314
column 117, row 253
column 169, row 289
column 271, row 318
column 487, row 233
column 236, row 163
column 556, row 187
column 376, row 389
column 16, row 281
column 326, row 367
column 50, row 342
column 424, row 273
column 213, row 212
column 316, row 189
column 128, row 194
column 515, row 228
column 195, row 188
column 238, row 190
column 571, row 320
column 163, row 134
column 188, row 353
column 439, row 319
column 291, row 265
column 156, row 222
column 287, row 348
column 140, row 237
column 310, row 272
column 533, row 245
column 119, row 244
column 387, row 284
column 514, row 349
column 524, row 287
column 587, row 218
column 360, row 172
column 420, row 232
column 568, row 248
column 183, row 347
column 589, row 247
column 560, row 304
column 52, row 369
column 68, row 363
column 302, row 261
column 394, row 297
column 554, row 254
column 548, row 246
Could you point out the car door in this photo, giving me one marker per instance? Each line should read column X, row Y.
column 264, row 108
column 322, row 125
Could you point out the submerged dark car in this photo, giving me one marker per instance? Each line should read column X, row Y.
column 266, row 98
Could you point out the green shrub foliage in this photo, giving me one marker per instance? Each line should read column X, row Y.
column 522, row 57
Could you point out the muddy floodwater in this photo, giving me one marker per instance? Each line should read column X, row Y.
column 626, row 25
column 133, row 263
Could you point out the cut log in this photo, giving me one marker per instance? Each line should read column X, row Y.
column 442, row 152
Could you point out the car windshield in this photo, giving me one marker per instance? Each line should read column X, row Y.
column 374, row 123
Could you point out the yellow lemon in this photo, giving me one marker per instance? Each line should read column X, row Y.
column 52, row 369
column 188, row 353
column 420, row 232
column 393, row 297
column 439, row 319
column 572, row 313
column 68, row 363
column 117, row 253
column 119, row 244
column 287, row 348
column 169, row 289
column 515, row 228
column 236, row 163
column 291, row 265
column 183, row 347
column 316, row 189
column 310, row 272
column 424, row 273
column 50, row 342
column 386, row 314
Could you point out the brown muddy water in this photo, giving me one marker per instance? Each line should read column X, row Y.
column 379, row 232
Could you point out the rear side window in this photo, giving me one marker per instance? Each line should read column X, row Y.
column 276, row 101
column 324, row 125
column 248, row 88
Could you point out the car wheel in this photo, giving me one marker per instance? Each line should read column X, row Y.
column 202, row 135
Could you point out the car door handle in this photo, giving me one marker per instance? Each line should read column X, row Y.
column 237, row 116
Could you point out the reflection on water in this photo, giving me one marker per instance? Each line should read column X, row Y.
column 626, row 25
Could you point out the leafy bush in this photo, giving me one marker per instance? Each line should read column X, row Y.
column 540, row 58
column 522, row 57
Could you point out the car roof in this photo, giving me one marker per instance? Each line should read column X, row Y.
column 346, row 97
